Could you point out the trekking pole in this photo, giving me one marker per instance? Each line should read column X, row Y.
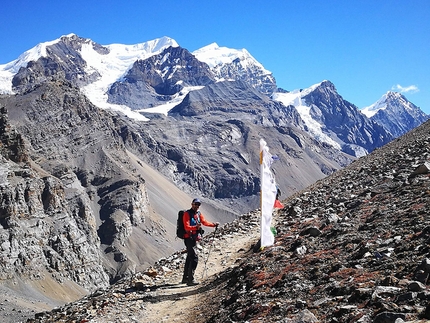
column 207, row 258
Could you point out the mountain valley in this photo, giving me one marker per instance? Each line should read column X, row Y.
column 99, row 150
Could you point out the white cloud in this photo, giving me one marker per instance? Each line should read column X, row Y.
column 405, row 89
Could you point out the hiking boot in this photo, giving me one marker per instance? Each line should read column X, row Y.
column 184, row 280
column 192, row 283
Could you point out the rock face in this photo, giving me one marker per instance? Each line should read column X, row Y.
column 62, row 58
column 251, row 74
column 159, row 77
column 231, row 97
column 12, row 144
column 85, row 180
column 344, row 120
column 34, row 208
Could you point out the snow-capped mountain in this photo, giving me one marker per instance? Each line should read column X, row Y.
column 233, row 64
column 333, row 120
column 8, row 71
column 102, row 70
column 93, row 67
column 295, row 98
column 160, row 79
column 156, row 76
column 395, row 113
column 110, row 61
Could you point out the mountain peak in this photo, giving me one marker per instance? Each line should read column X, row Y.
column 384, row 102
column 212, row 46
column 71, row 35
column 145, row 49
column 214, row 55
column 395, row 113
column 8, row 70
column 393, row 95
column 159, row 44
column 236, row 64
column 326, row 84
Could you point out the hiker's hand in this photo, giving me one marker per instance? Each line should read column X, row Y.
column 198, row 226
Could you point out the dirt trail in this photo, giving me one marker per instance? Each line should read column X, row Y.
column 170, row 301
column 176, row 303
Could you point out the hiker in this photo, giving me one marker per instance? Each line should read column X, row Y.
column 193, row 221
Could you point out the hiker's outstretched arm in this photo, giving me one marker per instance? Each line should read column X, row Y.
column 207, row 223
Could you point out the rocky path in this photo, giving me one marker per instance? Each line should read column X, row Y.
column 156, row 295
column 176, row 302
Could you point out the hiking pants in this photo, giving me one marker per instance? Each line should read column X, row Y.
column 191, row 261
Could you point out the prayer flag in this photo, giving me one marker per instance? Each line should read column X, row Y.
column 267, row 194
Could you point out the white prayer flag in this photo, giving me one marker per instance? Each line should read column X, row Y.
column 267, row 195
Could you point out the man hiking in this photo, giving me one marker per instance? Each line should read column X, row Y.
column 193, row 220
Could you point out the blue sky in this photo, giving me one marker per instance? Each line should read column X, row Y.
column 365, row 47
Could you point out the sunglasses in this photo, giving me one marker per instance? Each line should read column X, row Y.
column 198, row 204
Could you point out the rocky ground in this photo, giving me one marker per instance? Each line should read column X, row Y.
column 156, row 295
column 353, row 247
